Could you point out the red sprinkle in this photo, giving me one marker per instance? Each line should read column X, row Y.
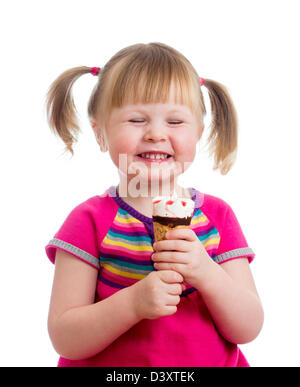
column 156, row 201
column 170, row 202
column 183, row 203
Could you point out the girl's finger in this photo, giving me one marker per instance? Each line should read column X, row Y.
column 170, row 256
column 174, row 289
column 167, row 266
column 182, row 233
column 172, row 245
column 172, row 300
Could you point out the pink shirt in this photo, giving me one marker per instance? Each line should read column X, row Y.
column 115, row 239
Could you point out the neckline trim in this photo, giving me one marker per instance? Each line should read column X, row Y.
column 138, row 215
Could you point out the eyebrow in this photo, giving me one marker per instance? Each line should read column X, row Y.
column 176, row 111
column 143, row 110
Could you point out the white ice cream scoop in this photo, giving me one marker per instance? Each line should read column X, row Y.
column 172, row 206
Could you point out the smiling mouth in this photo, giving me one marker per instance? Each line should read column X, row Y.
column 156, row 158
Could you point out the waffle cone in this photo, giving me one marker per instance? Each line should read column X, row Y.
column 160, row 230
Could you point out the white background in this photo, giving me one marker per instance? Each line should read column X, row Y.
column 252, row 47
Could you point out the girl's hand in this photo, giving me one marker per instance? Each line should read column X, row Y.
column 184, row 253
column 157, row 294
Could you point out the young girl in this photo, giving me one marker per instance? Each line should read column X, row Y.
column 118, row 298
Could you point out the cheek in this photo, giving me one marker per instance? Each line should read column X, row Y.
column 122, row 145
column 185, row 149
column 125, row 142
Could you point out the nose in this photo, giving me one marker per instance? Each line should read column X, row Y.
column 155, row 133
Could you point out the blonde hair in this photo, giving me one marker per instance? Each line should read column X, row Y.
column 144, row 73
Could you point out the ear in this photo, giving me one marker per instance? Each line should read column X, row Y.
column 99, row 134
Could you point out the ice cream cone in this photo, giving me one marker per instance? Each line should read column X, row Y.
column 160, row 229
column 170, row 213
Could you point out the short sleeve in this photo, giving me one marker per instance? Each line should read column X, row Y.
column 77, row 236
column 233, row 243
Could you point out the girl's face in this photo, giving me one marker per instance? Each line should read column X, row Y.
column 139, row 129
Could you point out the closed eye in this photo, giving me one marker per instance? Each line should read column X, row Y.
column 169, row 122
column 136, row 121
column 175, row 122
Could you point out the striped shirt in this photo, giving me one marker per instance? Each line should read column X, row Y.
column 110, row 235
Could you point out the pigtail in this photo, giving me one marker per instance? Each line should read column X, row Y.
column 61, row 110
column 223, row 138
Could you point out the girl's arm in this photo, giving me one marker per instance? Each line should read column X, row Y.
column 227, row 289
column 230, row 295
column 78, row 327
